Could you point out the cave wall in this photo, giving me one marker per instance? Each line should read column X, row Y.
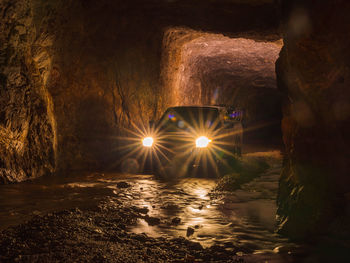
column 172, row 62
column 27, row 125
column 313, row 73
column 202, row 68
column 235, row 71
column 76, row 74
column 104, row 77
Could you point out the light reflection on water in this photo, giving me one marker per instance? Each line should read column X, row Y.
column 241, row 217
column 245, row 217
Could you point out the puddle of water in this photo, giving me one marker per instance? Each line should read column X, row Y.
column 238, row 217
column 245, row 217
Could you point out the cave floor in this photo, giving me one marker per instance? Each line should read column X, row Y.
column 124, row 218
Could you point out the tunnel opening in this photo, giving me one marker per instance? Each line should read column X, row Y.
column 201, row 68
column 75, row 74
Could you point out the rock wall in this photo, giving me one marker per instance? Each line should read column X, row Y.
column 104, row 78
column 201, row 68
column 75, row 74
column 314, row 75
column 27, row 124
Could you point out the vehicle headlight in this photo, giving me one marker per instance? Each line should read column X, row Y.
column 202, row 142
column 147, row 141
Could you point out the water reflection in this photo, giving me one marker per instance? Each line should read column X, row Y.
column 246, row 217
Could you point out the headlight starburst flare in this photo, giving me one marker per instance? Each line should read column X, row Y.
column 202, row 142
column 147, row 141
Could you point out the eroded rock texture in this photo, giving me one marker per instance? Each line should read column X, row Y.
column 314, row 74
column 76, row 73
column 27, row 137
column 212, row 69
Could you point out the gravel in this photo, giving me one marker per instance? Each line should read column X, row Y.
column 98, row 235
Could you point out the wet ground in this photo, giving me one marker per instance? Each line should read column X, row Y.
column 185, row 207
column 245, row 217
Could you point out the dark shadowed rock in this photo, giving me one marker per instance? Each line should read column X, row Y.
column 313, row 72
column 170, row 206
column 190, row 231
column 176, row 220
column 194, row 246
column 152, row 221
column 123, row 185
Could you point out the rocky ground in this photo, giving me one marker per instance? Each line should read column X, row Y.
column 111, row 218
column 110, row 228
column 99, row 235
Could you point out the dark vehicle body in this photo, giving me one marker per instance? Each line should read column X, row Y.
column 196, row 139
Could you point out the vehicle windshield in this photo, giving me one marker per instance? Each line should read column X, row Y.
column 182, row 117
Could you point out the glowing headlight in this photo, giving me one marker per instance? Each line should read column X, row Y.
column 202, row 142
column 147, row 142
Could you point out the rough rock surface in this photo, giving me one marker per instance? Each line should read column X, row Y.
column 314, row 75
column 27, row 136
column 212, row 69
column 78, row 72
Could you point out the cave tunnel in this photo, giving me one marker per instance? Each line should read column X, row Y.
column 213, row 69
column 77, row 76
